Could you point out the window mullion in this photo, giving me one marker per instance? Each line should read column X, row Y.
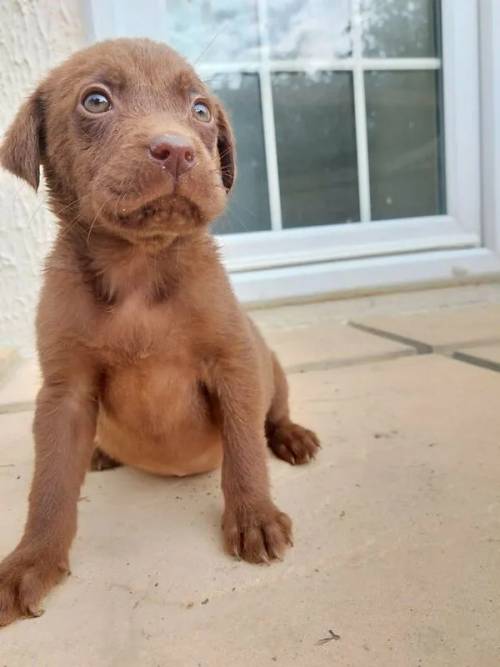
column 360, row 114
column 266, row 94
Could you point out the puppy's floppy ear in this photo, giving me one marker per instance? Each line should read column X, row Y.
column 21, row 148
column 226, row 145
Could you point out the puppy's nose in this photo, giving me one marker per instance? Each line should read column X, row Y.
column 174, row 152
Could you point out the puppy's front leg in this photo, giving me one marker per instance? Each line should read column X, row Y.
column 64, row 430
column 254, row 528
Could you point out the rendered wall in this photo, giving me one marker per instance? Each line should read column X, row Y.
column 34, row 36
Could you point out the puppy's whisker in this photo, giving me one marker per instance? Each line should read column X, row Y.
column 70, row 225
column 94, row 221
column 225, row 152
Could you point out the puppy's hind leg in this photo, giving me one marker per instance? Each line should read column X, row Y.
column 102, row 461
column 290, row 442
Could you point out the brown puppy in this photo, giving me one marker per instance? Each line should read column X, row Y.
column 141, row 341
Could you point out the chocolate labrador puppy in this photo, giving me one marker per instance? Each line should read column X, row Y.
column 143, row 347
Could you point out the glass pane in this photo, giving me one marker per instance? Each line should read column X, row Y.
column 405, row 144
column 213, row 30
column 400, row 28
column 310, row 29
column 248, row 209
column 316, row 142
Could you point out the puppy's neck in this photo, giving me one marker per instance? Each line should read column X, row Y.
column 152, row 269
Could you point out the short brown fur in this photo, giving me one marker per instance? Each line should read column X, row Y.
column 142, row 343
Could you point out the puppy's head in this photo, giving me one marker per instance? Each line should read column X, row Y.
column 129, row 139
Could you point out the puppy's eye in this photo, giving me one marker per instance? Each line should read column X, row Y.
column 96, row 103
column 201, row 112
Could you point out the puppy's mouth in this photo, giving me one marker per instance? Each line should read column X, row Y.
column 163, row 211
column 143, row 215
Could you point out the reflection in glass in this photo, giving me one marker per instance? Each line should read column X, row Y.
column 316, row 142
column 310, row 29
column 400, row 28
column 314, row 111
column 248, row 208
column 404, row 143
column 210, row 31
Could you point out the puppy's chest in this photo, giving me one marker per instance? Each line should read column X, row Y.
column 133, row 330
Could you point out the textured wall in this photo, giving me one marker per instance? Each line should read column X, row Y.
column 34, row 36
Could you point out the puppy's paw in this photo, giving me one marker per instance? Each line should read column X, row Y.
column 102, row 461
column 257, row 535
column 25, row 577
column 292, row 443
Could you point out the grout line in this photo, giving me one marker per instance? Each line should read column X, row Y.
column 449, row 351
column 358, row 361
column 476, row 361
column 452, row 347
column 421, row 348
column 20, row 406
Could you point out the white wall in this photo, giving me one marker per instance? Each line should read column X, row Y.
column 34, row 36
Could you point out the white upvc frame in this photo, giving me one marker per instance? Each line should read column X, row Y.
column 490, row 122
column 460, row 228
column 465, row 246
column 358, row 76
column 266, row 93
column 462, row 245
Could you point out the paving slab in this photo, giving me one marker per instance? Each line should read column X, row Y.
column 439, row 330
column 19, row 386
column 329, row 345
column 8, row 358
column 345, row 309
column 487, row 356
column 397, row 545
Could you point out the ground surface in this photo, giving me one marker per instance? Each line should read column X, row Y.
column 397, row 523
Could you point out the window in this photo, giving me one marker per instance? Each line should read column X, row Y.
column 336, row 105
column 357, row 123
